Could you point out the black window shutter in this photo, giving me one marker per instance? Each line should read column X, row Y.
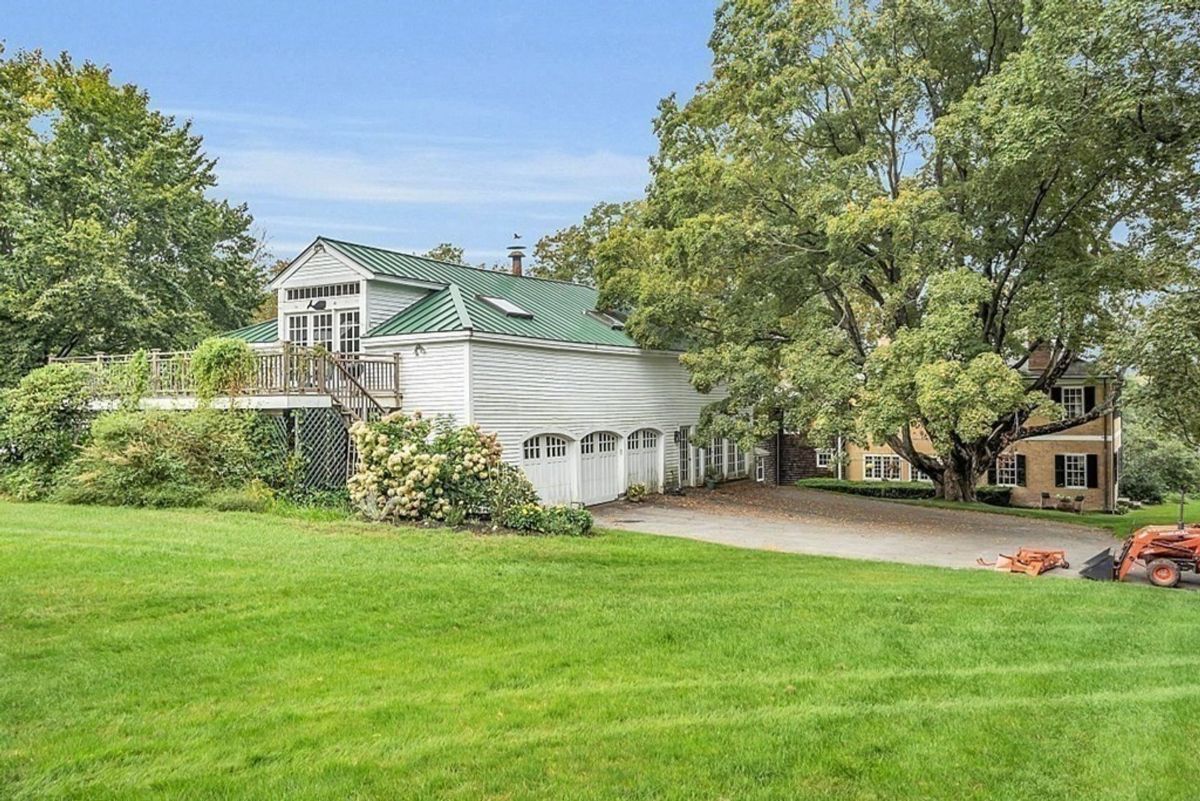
column 1060, row 470
column 1020, row 470
column 992, row 474
column 1089, row 399
column 1093, row 471
column 1056, row 394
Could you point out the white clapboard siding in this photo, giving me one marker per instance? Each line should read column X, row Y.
column 522, row 390
column 321, row 268
column 433, row 377
column 385, row 300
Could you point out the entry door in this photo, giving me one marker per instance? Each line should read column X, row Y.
column 547, row 465
column 642, row 465
column 599, row 479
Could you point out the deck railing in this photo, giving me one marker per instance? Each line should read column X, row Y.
column 360, row 383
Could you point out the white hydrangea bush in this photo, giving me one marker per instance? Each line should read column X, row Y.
column 411, row 468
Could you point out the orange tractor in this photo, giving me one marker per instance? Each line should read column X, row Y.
column 1166, row 552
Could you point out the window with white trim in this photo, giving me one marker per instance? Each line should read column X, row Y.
column 881, row 467
column 917, row 474
column 348, row 332
column 1075, row 471
column 1072, row 401
column 325, row 291
column 1006, row 470
column 298, row 329
column 607, row 442
column 533, row 448
column 824, row 458
column 322, row 330
column 739, row 460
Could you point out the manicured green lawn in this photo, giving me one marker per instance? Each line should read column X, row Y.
column 1120, row 525
column 194, row 655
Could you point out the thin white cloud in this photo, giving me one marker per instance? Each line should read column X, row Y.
column 432, row 175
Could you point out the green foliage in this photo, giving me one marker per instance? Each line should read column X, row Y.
column 872, row 212
column 557, row 520
column 1167, row 353
column 108, row 238
column 994, row 495
column 254, row 497
column 43, row 422
column 128, row 381
column 222, row 366
column 636, row 493
column 162, row 458
column 447, row 251
column 570, row 254
column 873, row 489
column 1155, row 464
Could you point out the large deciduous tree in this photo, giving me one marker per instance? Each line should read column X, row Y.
column 570, row 253
column 108, row 238
column 873, row 213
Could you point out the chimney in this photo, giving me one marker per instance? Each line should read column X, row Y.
column 516, row 252
column 1039, row 358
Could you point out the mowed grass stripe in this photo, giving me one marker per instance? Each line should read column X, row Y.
column 188, row 655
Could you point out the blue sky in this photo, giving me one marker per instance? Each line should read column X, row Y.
column 401, row 124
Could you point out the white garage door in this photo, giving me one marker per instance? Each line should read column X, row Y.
column 642, row 462
column 547, row 464
column 599, row 480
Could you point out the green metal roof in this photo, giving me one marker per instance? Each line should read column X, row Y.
column 560, row 309
column 259, row 332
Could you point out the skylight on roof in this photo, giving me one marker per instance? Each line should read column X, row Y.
column 507, row 306
column 611, row 320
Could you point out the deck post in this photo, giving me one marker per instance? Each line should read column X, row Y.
column 285, row 369
column 155, row 374
column 396, row 380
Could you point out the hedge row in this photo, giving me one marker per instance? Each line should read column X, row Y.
column 905, row 490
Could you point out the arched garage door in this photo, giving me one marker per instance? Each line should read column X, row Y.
column 642, row 462
column 547, row 464
column 599, row 480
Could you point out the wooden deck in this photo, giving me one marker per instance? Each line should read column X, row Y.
column 364, row 387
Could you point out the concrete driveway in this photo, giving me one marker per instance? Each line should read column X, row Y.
column 798, row 520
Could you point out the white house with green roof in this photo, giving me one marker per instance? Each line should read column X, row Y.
column 575, row 401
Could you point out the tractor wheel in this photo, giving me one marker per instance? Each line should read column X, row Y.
column 1163, row 573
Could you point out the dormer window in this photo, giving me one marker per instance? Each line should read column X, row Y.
column 607, row 318
column 509, row 308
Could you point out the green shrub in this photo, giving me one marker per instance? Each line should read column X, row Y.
column 43, row 423
column 636, row 493
column 875, row 489
column 254, row 497
column 509, row 488
column 222, row 366
column 161, row 458
column 558, row 520
column 994, row 496
column 128, row 381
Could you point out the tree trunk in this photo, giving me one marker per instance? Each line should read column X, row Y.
column 959, row 478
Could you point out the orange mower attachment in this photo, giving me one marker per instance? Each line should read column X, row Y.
column 1030, row 561
column 1167, row 552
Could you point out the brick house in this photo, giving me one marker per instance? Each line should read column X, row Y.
column 1080, row 461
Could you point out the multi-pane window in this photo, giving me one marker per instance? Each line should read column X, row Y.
column 881, row 467
column 824, row 458
column 298, row 329
column 1006, row 470
column 322, row 330
column 917, row 474
column 533, row 448
column 1073, row 401
column 607, row 442
column 649, row 439
column 326, row 291
column 1075, row 470
column 348, row 332
column 556, row 447
column 739, row 460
